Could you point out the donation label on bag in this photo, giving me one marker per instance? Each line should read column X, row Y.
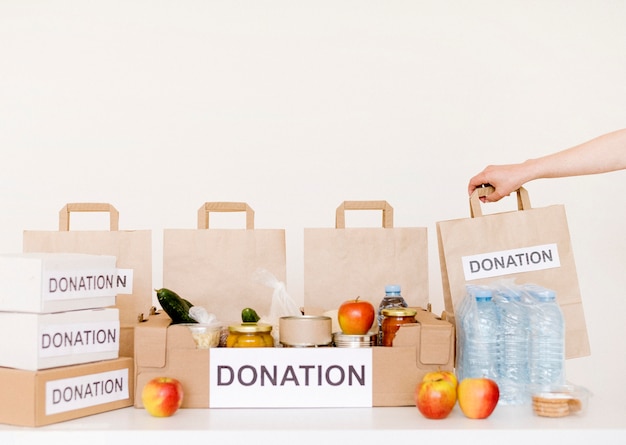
column 290, row 377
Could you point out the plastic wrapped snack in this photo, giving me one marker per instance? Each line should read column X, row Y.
column 559, row 401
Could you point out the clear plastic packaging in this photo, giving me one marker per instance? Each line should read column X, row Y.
column 205, row 335
column 477, row 335
column 559, row 400
column 513, row 366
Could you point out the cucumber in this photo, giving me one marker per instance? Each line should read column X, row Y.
column 249, row 315
column 176, row 307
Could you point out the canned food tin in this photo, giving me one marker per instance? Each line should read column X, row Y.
column 341, row 340
column 250, row 335
column 393, row 318
column 305, row 331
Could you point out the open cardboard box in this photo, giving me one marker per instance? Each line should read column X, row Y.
column 36, row 398
column 165, row 349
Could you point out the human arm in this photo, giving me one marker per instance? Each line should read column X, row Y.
column 602, row 154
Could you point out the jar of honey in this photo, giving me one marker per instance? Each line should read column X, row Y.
column 250, row 335
column 393, row 318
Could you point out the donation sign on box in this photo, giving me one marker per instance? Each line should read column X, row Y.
column 290, row 377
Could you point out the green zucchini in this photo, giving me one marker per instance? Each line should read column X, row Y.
column 176, row 307
column 249, row 315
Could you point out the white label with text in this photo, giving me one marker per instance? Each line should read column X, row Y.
column 79, row 338
column 65, row 285
column 290, row 377
column 506, row 262
column 84, row 391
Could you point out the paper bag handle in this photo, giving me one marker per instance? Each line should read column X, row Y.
column 64, row 213
column 523, row 201
column 340, row 214
column 207, row 207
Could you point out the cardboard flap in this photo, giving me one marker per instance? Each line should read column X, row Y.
column 436, row 340
column 179, row 337
column 431, row 336
column 151, row 341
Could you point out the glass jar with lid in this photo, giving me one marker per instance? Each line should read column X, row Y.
column 393, row 318
column 250, row 335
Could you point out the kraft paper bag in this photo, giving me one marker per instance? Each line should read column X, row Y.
column 132, row 248
column 343, row 263
column 528, row 245
column 221, row 269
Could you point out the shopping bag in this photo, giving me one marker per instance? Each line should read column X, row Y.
column 132, row 248
column 342, row 263
column 219, row 269
column 529, row 245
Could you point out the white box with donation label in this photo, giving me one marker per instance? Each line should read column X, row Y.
column 41, row 341
column 56, row 282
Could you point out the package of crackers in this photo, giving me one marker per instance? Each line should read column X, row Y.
column 559, row 401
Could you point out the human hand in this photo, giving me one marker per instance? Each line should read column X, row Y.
column 505, row 179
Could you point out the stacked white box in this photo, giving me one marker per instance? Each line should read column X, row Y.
column 55, row 310
column 55, row 282
column 41, row 341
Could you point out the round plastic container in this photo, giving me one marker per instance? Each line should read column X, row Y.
column 250, row 335
column 205, row 335
column 559, row 400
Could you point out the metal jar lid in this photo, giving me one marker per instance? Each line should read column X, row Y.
column 399, row 312
column 250, row 328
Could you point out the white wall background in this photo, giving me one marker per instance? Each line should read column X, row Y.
column 294, row 106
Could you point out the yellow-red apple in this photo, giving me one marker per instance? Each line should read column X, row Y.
column 450, row 376
column 435, row 399
column 162, row 396
column 478, row 397
column 356, row 316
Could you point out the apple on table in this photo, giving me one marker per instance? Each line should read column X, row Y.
column 435, row 396
column 162, row 396
column 478, row 397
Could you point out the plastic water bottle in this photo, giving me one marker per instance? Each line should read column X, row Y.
column 393, row 298
column 547, row 338
column 513, row 367
column 480, row 335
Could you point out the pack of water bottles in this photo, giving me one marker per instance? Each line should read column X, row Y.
column 513, row 334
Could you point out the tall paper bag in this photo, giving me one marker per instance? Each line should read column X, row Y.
column 530, row 245
column 218, row 268
column 342, row 263
column 132, row 248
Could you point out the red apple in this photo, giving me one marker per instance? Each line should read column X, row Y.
column 450, row 376
column 162, row 396
column 478, row 397
column 356, row 316
column 435, row 399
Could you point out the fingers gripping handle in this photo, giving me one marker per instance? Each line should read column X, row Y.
column 523, row 201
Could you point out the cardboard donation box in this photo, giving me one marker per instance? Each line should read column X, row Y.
column 131, row 248
column 36, row 398
column 46, row 282
column 293, row 377
column 325, row 376
column 39, row 341
column 529, row 246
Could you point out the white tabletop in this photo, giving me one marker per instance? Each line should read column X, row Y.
column 603, row 421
